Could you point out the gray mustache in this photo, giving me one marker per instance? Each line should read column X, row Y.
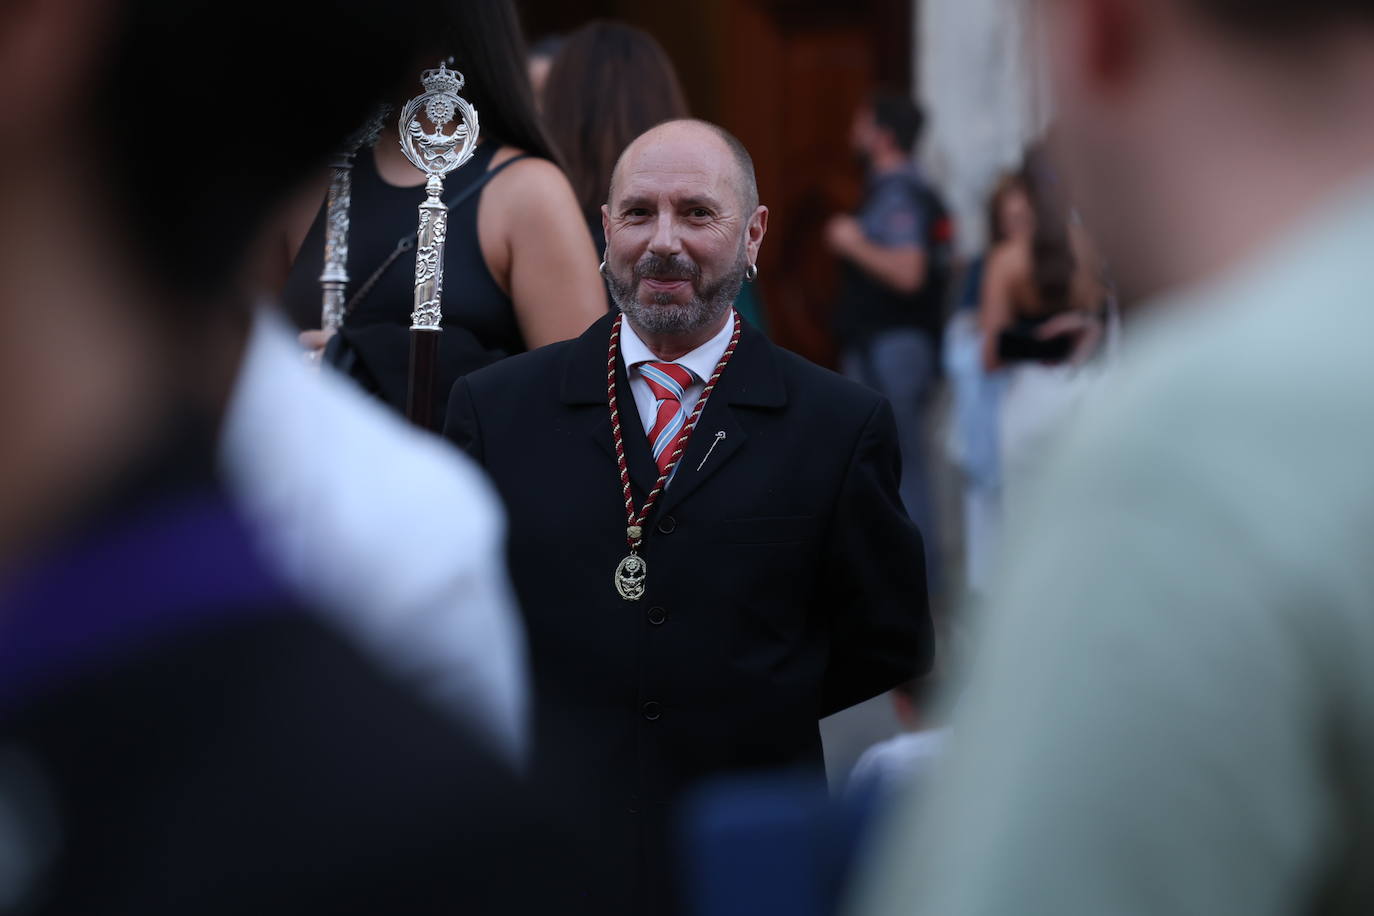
column 655, row 267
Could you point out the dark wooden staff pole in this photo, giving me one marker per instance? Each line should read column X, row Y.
column 425, row 320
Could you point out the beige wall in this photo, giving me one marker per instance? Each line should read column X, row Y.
column 974, row 65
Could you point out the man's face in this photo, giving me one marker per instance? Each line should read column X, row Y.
column 677, row 240
column 863, row 133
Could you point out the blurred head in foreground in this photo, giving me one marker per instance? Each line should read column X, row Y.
column 138, row 167
column 1192, row 130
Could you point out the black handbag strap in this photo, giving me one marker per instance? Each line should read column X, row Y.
column 407, row 241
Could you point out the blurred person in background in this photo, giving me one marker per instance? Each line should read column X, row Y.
column 1172, row 706
column 177, row 734
column 1010, row 216
column 775, row 580
column 1041, row 317
column 896, row 256
column 973, row 444
column 609, row 83
column 519, row 269
column 542, row 53
column 906, row 758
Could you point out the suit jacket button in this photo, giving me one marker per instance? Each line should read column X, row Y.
column 652, row 711
column 667, row 525
column 657, row 615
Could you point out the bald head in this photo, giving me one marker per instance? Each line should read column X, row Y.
column 688, row 132
column 683, row 229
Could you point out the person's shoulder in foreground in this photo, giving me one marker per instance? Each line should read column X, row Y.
column 1170, row 711
column 231, row 725
column 354, row 505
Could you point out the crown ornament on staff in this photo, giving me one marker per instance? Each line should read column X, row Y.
column 439, row 152
column 447, row 144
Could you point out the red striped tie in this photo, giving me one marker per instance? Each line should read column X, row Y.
column 668, row 382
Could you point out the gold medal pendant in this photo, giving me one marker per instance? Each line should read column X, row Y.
column 630, row 576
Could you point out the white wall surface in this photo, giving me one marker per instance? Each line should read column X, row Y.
column 975, row 61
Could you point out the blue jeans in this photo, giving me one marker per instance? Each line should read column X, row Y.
column 900, row 365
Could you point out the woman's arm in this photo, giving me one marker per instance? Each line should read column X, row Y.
column 539, row 251
column 995, row 310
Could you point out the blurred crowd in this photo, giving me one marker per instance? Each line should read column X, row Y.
column 270, row 642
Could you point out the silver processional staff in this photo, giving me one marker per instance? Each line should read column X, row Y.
column 334, row 279
column 436, row 153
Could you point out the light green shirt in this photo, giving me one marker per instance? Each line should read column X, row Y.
column 1172, row 706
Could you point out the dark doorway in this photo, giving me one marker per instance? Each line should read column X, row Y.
column 786, row 77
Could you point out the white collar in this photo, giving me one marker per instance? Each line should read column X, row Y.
column 702, row 361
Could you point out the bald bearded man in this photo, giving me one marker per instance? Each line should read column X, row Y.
column 706, row 533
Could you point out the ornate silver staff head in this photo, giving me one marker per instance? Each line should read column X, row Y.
column 435, row 152
column 439, row 152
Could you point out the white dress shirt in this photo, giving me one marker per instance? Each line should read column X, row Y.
column 392, row 533
column 701, row 362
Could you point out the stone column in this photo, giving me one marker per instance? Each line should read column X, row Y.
column 977, row 75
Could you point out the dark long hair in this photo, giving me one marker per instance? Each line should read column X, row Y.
column 1006, row 185
column 488, row 48
column 1052, row 258
column 609, row 83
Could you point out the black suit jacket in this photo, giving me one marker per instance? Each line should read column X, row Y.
column 785, row 581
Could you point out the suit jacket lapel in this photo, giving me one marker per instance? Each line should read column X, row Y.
column 584, row 383
column 643, row 468
column 716, row 439
column 751, row 380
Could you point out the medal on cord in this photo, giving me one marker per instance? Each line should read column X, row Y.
column 632, row 573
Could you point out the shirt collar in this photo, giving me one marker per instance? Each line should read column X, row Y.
column 702, row 361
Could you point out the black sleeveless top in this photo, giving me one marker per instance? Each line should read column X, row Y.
column 478, row 317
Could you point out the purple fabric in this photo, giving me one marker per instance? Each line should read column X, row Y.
column 175, row 565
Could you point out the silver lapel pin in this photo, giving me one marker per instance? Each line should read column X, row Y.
column 720, row 434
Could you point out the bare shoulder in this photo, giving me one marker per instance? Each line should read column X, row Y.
column 1009, row 260
column 530, row 181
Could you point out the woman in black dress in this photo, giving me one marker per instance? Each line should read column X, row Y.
column 519, row 269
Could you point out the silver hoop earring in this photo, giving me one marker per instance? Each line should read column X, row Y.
column 751, row 272
column 602, row 269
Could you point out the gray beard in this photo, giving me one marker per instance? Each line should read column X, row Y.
column 665, row 317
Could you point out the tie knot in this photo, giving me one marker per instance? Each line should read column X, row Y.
column 666, row 380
